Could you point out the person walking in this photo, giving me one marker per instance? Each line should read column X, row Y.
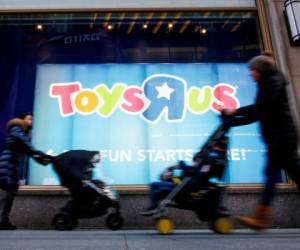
column 17, row 145
column 278, row 130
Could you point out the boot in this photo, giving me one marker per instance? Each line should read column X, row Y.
column 260, row 220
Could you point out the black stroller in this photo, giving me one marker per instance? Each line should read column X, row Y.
column 90, row 198
column 196, row 192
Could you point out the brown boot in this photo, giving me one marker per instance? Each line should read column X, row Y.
column 260, row 220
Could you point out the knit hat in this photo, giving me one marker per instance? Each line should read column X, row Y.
column 263, row 63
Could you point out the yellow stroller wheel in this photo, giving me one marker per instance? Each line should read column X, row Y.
column 164, row 225
column 222, row 225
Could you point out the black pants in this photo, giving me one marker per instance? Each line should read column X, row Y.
column 159, row 190
column 6, row 203
column 281, row 155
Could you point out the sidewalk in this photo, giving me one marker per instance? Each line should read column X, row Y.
column 274, row 239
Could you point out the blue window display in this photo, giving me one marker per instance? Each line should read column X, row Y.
column 143, row 92
column 158, row 124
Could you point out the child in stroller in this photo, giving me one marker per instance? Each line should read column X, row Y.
column 193, row 189
column 169, row 178
column 90, row 197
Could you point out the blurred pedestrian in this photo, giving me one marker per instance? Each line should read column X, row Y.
column 278, row 130
column 17, row 145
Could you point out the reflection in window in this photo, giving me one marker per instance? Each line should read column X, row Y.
column 133, row 37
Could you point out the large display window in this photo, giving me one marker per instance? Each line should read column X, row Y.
column 144, row 88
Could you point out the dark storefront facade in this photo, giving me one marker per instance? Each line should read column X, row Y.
column 143, row 85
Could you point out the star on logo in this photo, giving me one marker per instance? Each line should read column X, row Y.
column 164, row 91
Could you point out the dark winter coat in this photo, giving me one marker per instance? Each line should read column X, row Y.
column 17, row 145
column 271, row 109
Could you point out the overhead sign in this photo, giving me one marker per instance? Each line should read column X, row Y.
column 159, row 95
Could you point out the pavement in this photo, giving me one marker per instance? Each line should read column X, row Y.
column 275, row 239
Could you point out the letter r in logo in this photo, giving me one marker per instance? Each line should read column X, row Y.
column 166, row 94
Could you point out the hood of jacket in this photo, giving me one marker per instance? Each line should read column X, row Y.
column 18, row 122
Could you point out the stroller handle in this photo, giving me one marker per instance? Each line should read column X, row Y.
column 227, row 121
column 49, row 159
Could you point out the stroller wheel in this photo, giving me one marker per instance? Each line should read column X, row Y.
column 114, row 221
column 164, row 225
column 64, row 221
column 222, row 225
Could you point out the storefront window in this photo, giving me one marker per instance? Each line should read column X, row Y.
column 144, row 88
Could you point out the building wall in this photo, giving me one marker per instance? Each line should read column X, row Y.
column 31, row 5
column 288, row 57
column 29, row 210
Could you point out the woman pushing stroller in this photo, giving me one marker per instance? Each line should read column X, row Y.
column 91, row 198
column 278, row 130
column 17, row 146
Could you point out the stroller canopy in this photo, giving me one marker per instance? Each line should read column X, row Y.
column 74, row 166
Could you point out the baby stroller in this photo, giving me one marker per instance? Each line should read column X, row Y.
column 90, row 198
column 196, row 192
